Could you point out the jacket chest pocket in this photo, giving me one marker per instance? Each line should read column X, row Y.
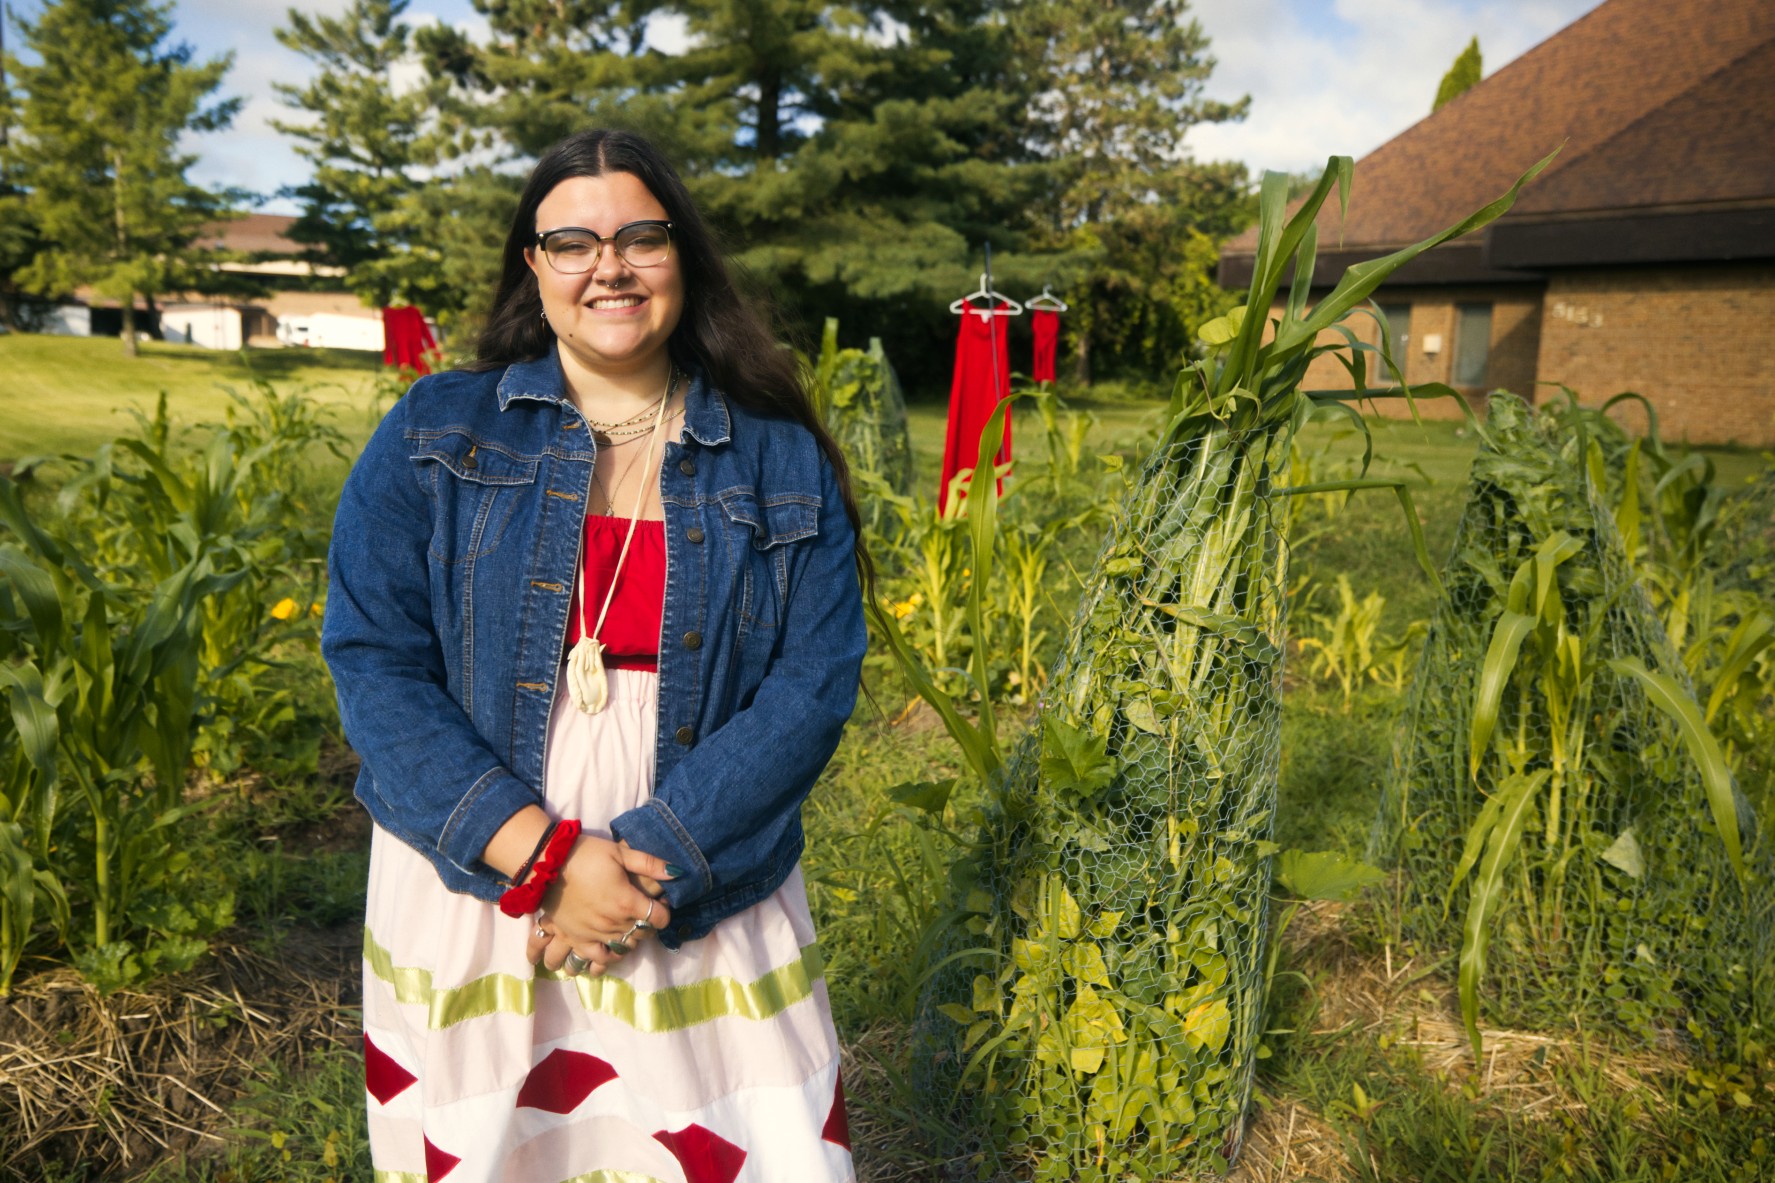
column 760, row 532
column 475, row 490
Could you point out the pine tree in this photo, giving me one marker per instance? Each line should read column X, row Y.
column 1468, row 68
column 96, row 150
column 1122, row 82
column 366, row 141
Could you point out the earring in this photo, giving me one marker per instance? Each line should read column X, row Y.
column 545, row 315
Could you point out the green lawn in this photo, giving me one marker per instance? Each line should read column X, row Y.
column 71, row 394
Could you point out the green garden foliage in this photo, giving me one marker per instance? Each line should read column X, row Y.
column 1098, row 999
column 1609, row 871
column 158, row 622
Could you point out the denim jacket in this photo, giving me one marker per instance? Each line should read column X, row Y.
column 450, row 575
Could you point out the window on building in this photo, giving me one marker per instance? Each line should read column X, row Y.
column 1399, row 324
column 1472, row 344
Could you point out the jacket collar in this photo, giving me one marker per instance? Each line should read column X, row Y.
column 706, row 417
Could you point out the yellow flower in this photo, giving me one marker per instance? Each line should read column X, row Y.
column 905, row 608
column 283, row 609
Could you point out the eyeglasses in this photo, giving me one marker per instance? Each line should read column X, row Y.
column 574, row 250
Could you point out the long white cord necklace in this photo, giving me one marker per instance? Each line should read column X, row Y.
column 587, row 683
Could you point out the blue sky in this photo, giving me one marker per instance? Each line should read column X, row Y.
column 1324, row 76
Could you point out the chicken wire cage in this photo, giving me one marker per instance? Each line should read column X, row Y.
column 1581, row 822
column 1096, row 1008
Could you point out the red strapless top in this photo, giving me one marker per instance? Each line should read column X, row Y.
column 631, row 627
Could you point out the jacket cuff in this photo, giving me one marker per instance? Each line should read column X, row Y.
column 489, row 803
column 654, row 828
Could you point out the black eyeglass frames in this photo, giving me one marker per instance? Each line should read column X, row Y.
column 574, row 250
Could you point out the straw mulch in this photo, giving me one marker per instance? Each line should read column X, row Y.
column 1411, row 1003
column 119, row 1082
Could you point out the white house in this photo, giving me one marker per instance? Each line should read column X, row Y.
column 212, row 326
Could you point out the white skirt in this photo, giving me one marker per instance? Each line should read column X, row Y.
column 717, row 1063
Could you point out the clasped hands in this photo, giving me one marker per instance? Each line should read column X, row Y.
column 607, row 900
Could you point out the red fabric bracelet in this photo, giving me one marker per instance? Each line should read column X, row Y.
column 526, row 896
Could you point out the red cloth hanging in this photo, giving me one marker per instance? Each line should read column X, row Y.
column 406, row 339
column 982, row 378
column 1047, row 331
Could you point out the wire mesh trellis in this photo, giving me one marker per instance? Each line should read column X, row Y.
column 1593, row 883
column 865, row 409
column 1104, row 1005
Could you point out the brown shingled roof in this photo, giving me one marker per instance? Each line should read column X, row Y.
column 254, row 234
column 1715, row 142
column 1649, row 96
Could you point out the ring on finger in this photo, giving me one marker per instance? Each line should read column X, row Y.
column 647, row 920
column 542, row 934
column 627, row 938
column 575, row 964
column 617, row 946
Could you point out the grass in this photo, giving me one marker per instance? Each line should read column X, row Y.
column 1367, row 1077
column 71, row 394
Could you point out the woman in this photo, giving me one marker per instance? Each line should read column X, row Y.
column 595, row 624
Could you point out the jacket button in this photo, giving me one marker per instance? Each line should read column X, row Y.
column 687, row 466
column 694, row 534
column 693, row 640
column 685, row 734
column 470, row 462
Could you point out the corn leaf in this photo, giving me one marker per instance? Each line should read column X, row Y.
column 1672, row 697
column 1517, row 796
column 1755, row 633
column 1360, row 280
column 982, row 510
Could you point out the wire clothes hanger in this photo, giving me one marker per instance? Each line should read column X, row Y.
column 994, row 299
column 1047, row 301
column 997, row 304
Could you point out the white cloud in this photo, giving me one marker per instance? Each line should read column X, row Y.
column 1346, row 76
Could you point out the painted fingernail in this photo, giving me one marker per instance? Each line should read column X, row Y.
column 674, row 870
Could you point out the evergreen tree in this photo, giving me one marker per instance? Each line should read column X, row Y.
column 1122, row 83
column 366, row 142
column 95, row 149
column 1468, row 68
column 859, row 153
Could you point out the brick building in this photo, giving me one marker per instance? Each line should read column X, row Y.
column 1643, row 258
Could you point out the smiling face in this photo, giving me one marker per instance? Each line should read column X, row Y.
column 612, row 320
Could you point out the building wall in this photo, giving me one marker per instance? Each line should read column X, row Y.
column 1697, row 342
column 212, row 326
column 1513, row 345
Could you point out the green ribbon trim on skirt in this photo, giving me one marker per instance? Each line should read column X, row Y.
column 672, row 1009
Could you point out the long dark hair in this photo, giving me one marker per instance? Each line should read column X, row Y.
column 727, row 337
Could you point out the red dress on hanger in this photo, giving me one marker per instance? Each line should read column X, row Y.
column 1046, row 325
column 982, row 378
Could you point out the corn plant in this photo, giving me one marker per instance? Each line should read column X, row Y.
column 143, row 630
column 1607, row 865
column 102, row 684
column 1103, row 981
column 1344, row 649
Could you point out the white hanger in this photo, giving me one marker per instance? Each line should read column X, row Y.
column 993, row 300
column 1048, row 301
